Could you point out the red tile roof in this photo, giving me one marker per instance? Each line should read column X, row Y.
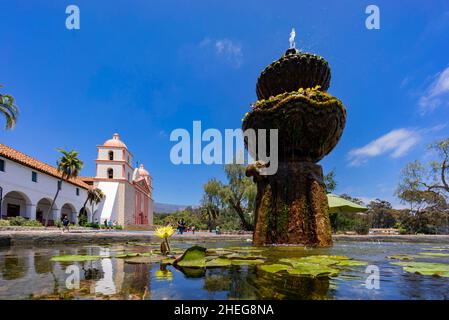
column 23, row 159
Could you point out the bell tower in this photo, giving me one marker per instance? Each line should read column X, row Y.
column 113, row 161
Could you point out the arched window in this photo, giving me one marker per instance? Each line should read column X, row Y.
column 110, row 173
column 111, row 155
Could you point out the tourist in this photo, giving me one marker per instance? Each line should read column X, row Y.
column 106, row 224
column 65, row 224
column 217, row 230
column 193, row 229
column 110, row 225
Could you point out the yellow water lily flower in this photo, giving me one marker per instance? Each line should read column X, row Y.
column 165, row 232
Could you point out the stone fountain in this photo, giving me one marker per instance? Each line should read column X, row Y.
column 291, row 205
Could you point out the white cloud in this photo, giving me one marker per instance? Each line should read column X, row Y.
column 437, row 94
column 395, row 143
column 225, row 48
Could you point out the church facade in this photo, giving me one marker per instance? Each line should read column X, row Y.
column 27, row 187
column 128, row 191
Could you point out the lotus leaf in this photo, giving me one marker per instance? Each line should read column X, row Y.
column 402, row 256
column 434, row 254
column 239, row 262
column 76, row 258
column 194, row 257
column 219, row 262
column 425, row 268
column 144, row 259
column 133, row 254
column 274, row 268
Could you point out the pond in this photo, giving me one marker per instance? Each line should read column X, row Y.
column 29, row 272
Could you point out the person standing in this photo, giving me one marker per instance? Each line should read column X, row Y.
column 65, row 224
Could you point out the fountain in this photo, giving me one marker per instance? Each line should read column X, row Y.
column 291, row 205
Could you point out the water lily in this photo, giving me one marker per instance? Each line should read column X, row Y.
column 165, row 233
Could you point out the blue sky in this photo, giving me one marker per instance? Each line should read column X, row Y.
column 144, row 68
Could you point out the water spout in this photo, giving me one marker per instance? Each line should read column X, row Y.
column 292, row 38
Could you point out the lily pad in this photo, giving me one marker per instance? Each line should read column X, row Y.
column 244, row 256
column 274, row 268
column 133, row 254
column 313, row 270
column 219, row 262
column 168, row 261
column 144, row 259
column 76, row 258
column 351, row 263
column 434, row 254
column 402, row 256
column 425, row 268
column 246, row 249
column 239, row 262
column 194, row 257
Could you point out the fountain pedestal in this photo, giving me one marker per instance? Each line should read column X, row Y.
column 291, row 205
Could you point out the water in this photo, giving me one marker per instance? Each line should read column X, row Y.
column 28, row 273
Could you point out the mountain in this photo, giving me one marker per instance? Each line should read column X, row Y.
column 169, row 208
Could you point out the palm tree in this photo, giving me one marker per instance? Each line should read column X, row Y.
column 94, row 197
column 69, row 167
column 8, row 109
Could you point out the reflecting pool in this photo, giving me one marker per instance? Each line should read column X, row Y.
column 29, row 273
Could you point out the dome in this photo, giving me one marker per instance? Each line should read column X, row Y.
column 143, row 172
column 115, row 142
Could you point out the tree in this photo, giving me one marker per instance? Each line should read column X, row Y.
column 381, row 214
column 9, row 109
column 94, row 197
column 238, row 195
column 69, row 167
column 330, row 182
column 426, row 185
column 211, row 201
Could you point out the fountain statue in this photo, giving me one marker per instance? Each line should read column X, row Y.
column 291, row 205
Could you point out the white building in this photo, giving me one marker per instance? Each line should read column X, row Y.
column 29, row 185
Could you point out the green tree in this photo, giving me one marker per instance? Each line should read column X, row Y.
column 381, row 214
column 237, row 195
column 69, row 166
column 211, row 202
column 9, row 109
column 94, row 197
column 330, row 181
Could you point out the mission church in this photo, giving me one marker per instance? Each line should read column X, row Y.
column 27, row 187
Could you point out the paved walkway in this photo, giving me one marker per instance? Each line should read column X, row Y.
column 54, row 236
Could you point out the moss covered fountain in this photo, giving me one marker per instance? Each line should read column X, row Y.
column 291, row 205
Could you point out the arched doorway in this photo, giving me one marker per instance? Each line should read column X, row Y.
column 69, row 211
column 84, row 216
column 42, row 208
column 16, row 204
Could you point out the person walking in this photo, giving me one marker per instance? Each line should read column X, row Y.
column 65, row 224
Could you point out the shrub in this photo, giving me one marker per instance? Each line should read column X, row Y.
column 17, row 221
column 118, row 227
column 23, row 222
column 32, row 223
column 92, row 225
column 58, row 224
column 4, row 223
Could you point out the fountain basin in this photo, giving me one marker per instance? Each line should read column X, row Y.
column 310, row 123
